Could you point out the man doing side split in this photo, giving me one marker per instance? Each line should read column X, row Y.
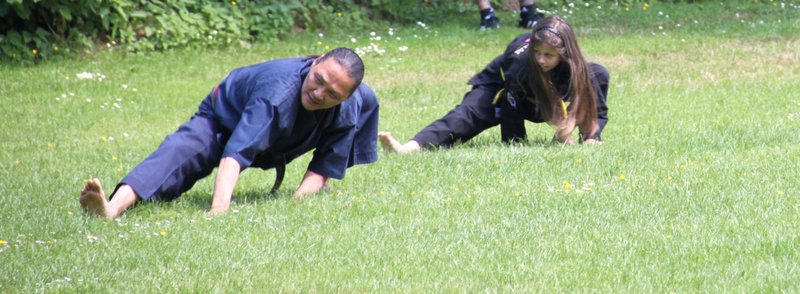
column 262, row 115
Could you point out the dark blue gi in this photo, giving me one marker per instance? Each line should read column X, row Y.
column 477, row 112
column 256, row 117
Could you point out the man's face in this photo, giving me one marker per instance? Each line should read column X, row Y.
column 326, row 86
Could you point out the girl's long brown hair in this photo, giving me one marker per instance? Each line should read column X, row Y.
column 582, row 111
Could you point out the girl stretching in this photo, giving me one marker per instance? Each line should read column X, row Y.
column 541, row 77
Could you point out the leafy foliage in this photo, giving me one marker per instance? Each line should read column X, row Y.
column 35, row 30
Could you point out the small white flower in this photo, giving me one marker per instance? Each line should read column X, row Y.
column 85, row 75
column 353, row 40
column 372, row 34
column 403, row 48
column 124, row 86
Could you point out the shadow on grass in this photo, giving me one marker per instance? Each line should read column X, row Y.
column 488, row 143
column 249, row 195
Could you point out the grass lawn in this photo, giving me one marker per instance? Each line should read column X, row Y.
column 695, row 189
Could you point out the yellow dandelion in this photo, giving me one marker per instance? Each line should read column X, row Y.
column 162, row 234
column 579, row 161
column 567, row 185
column 69, row 213
column 683, row 166
column 16, row 161
column 413, row 193
column 35, row 51
column 327, row 47
column 518, row 194
column 780, row 193
column 55, row 48
column 622, row 177
column 319, row 42
column 104, row 138
column 3, row 242
column 114, row 158
column 50, row 145
column 233, row 3
column 339, row 14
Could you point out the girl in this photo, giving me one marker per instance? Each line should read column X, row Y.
column 541, row 77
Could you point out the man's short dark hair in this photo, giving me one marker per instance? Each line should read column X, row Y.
column 350, row 61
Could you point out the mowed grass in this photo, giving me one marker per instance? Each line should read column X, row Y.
column 694, row 190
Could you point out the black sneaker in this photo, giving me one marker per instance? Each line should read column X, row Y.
column 529, row 19
column 490, row 22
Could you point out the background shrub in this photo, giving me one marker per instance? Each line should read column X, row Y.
column 32, row 30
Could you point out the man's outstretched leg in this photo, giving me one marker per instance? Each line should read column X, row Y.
column 93, row 200
column 391, row 144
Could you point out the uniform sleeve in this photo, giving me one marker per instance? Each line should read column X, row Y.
column 255, row 132
column 600, row 80
column 333, row 151
column 365, row 142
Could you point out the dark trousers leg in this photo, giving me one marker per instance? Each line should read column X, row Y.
column 186, row 156
column 468, row 119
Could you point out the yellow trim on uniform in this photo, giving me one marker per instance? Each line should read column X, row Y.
column 502, row 91
column 497, row 97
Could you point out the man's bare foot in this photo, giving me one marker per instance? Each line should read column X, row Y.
column 93, row 199
column 390, row 144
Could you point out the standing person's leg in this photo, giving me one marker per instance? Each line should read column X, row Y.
column 186, row 156
column 468, row 119
column 488, row 19
column 528, row 16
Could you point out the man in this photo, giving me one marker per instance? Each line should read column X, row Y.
column 263, row 115
column 528, row 15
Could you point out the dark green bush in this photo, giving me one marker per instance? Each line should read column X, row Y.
column 32, row 30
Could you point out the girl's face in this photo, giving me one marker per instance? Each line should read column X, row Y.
column 546, row 56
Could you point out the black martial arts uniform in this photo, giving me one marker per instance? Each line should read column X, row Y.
column 500, row 95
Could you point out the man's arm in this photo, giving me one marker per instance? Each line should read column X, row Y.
column 312, row 183
column 227, row 176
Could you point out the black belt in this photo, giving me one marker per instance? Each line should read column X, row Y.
column 280, row 171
